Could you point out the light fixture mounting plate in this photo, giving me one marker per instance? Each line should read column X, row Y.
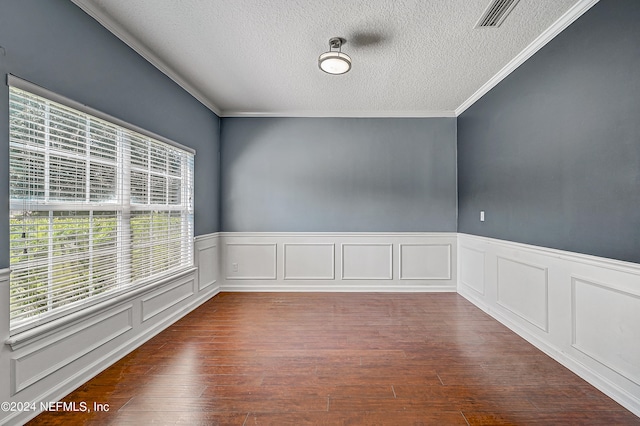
column 336, row 42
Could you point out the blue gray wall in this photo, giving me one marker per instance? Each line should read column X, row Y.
column 552, row 154
column 338, row 174
column 56, row 45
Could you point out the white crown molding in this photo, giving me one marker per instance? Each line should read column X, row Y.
column 126, row 37
column 556, row 28
column 342, row 114
column 549, row 34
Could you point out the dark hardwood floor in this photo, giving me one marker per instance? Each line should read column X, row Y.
column 339, row 359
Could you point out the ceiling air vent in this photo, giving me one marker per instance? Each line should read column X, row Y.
column 495, row 13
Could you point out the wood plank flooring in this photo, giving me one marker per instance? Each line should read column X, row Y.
column 339, row 359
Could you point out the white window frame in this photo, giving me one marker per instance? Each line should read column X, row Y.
column 124, row 288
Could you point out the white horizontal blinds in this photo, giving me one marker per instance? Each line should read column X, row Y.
column 161, row 188
column 95, row 207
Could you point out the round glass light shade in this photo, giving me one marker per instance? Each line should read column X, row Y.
column 334, row 62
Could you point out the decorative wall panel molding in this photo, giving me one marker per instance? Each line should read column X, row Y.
column 363, row 261
column 70, row 344
column 612, row 335
column 309, row 261
column 207, row 260
column 472, row 269
column 425, row 261
column 523, row 290
column 166, row 297
column 583, row 311
column 338, row 261
column 250, row 261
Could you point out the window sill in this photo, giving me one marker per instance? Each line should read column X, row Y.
column 31, row 335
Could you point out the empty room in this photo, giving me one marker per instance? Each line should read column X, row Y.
column 245, row 212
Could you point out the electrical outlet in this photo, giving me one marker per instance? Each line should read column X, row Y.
column 481, row 215
column 234, row 267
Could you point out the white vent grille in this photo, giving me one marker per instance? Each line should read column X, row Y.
column 495, row 13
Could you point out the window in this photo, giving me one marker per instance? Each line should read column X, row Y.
column 96, row 208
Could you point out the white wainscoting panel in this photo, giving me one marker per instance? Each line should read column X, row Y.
column 367, row 261
column 45, row 364
column 425, row 261
column 472, row 269
column 611, row 334
column 347, row 261
column 523, row 289
column 250, row 261
column 49, row 356
column 309, row 261
column 166, row 297
column 207, row 260
column 583, row 311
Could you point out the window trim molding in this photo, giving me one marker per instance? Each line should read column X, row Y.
column 19, row 83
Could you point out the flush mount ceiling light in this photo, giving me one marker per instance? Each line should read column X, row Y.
column 334, row 61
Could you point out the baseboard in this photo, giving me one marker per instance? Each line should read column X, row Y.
column 361, row 288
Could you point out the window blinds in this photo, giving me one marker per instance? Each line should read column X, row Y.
column 95, row 208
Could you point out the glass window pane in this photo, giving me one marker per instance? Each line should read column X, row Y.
column 158, row 189
column 68, row 179
column 26, row 174
column 158, row 155
column 103, row 181
column 139, row 150
column 175, row 192
column 175, row 163
column 67, row 130
column 139, row 190
column 103, row 141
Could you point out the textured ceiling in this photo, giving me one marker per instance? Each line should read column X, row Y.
column 259, row 57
